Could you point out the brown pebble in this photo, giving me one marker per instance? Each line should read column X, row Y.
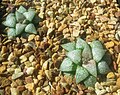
column 117, row 48
column 117, row 14
column 28, row 79
column 21, row 88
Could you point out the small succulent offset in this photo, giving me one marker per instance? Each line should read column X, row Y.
column 85, row 61
column 21, row 22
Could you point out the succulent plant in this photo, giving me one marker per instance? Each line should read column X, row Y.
column 21, row 22
column 85, row 61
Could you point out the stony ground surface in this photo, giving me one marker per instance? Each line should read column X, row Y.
column 30, row 66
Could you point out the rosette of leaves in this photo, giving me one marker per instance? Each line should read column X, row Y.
column 22, row 22
column 85, row 61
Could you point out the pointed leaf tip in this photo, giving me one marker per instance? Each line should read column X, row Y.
column 30, row 28
column 67, row 65
column 81, row 74
column 75, row 56
column 69, row 46
column 19, row 28
column 21, row 9
column 29, row 15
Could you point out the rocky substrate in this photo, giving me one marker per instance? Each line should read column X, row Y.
column 30, row 66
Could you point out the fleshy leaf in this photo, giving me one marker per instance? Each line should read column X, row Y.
column 90, row 81
column 75, row 56
column 91, row 67
column 19, row 16
column 10, row 22
column 80, row 44
column 21, row 9
column 10, row 15
column 96, row 44
column 103, row 67
column 11, row 32
column 67, row 65
column 19, row 28
column 69, row 46
column 98, row 54
column 81, row 74
column 30, row 28
column 86, row 54
column 107, row 58
column 29, row 15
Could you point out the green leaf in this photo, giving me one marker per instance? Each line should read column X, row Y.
column 30, row 28
column 21, row 9
column 75, row 56
column 10, row 15
column 80, row 44
column 67, row 65
column 19, row 16
column 90, row 81
column 19, row 28
column 86, row 54
column 98, row 54
column 69, row 46
column 81, row 74
column 29, row 15
column 10, row 21
column 36, row 19
column 91, row 67
column 96, row 44
column 107, row 58
column 11, row 32
column 103, row 67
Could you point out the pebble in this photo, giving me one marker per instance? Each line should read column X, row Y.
column 117, row 35
column 109, row 44
column 14, row 91
column 17, row 75
column 104, row 18
column 63, row 26
column 45, row 65
column 21, row 88
column 29, row 86
column 2, row 92
column 28, row 79
column 110, row 75
column 31, row 37
column 48, row 74
column 30, row 70
column 23, row 58
column 76, row 33
column 2, row 68
column 47, row 88
column 118, row 82
column 100, row 92
column 4, row 82
column 118, row 59
column 31, row 58
column 3, row 49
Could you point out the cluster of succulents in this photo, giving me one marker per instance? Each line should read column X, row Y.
column 21, row 22
column 85, row 61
